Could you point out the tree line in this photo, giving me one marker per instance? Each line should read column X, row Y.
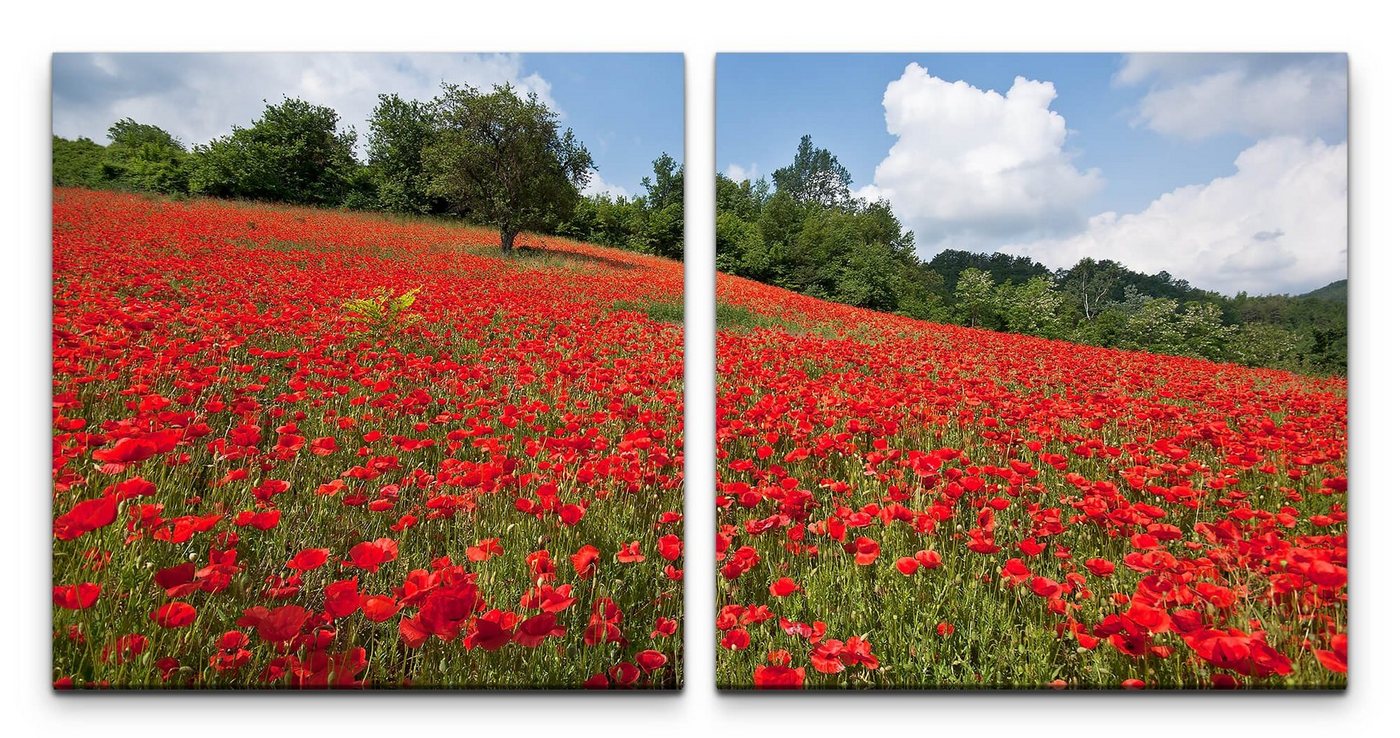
column 494, row 158
column 806, row 232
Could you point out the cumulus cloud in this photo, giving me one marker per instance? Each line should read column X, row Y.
column 198, row 97
column 974, row 167
column 740, row 173
column 1194, row 96
column 1277, row 224
column 597, row 186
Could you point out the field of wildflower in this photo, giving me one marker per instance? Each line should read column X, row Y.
column 299, row 448
column 912, row 505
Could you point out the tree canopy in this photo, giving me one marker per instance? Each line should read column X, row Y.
column 502, row 158
column 400, row 131
column 144, row 158
column 294, row 153
column 78, row 163
column 814, row 177
column 807, row 234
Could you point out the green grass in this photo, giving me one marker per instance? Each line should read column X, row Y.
column 1002, row 637
column 658, row 310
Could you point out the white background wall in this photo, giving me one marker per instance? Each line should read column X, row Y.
column 699, row 28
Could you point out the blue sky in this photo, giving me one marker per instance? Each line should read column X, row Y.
column 626, row 108
column 1130, row 130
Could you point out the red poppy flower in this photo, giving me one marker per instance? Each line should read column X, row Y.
column 570, row 515
column 1099, row 567
column 178, row 580
column 1015, row 571
column 664, row 627
column 491, row 630
column 262, row 520
column 174, row 615
column 737, row 639
column 343, row 597
column 624, row 674
column 670, row 547
column 778, row 677
column 826, row 657
column 86, row 516
column 548, row 599
column 128, row 451
column 1336, row 658
column 1045, row 587
column 484, row 550
column 282, row 624
column 371, row 555
column 865, row 549
column 783, row 587
column 378, row 608
column 585, row 561
column 631, row 553
column 125, row 649
column 309, row 558
column 650, row 660
column 534, row 630
column 928, row 559
column 77, row 596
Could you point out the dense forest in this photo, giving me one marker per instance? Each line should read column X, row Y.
column 420, row 158
column 804, row 231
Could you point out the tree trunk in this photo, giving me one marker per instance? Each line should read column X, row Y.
column 508, row 241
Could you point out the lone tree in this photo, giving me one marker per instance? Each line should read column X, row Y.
column 501, row 159
column 815, row 177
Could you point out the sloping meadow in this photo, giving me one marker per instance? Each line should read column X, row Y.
column 912, row 505
column 302, row 448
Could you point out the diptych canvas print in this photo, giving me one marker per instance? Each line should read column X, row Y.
column 367, row 372
column 1031, row 371
column 363, row 374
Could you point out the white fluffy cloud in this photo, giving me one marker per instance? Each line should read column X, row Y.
column 972, row 168
column 598, row 186
column 740, row 173
column 1258, row 95
column 1279, row 223
column 198, row 97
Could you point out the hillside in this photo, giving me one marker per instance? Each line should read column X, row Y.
column 905, row 503
column 300, row 447
column 1334, row 292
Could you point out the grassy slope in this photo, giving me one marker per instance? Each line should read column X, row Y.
column 814, row 396
column 519, row 375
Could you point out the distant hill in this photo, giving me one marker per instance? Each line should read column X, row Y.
column 1313, row 325
column 948, row 264
column 1335, row 292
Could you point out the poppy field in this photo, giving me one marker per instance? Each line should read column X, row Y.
column 298, row 448
column 912, row 505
